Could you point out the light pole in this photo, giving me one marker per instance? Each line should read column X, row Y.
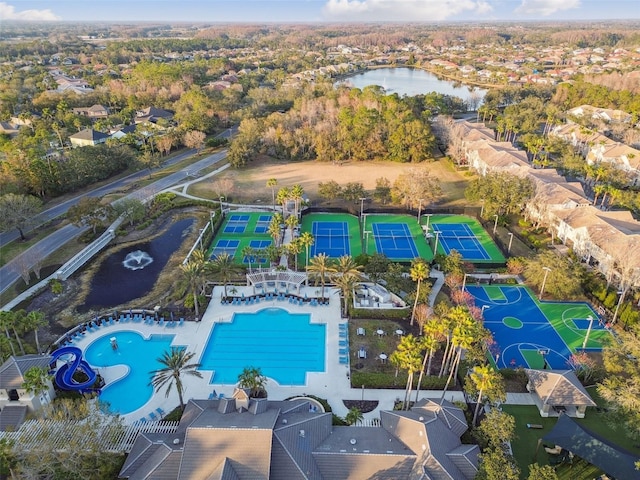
column 483, row 309
column 212, row 214
column 428, row 215
column 221, row 199
column 586, row 338
column 615, row 314
column 482, row 209
column 362, row 199
column 366, row 240
column 435, row 247
column 510, row 242
column 495, row 224
column 420, row 209
column 544, row 281
column 464, row 281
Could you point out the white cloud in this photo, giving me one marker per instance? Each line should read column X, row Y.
column 8, row 12
column 402, row 10
column 546, row 7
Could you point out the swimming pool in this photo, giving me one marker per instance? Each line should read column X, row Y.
column 139, row 355
column 285, row 346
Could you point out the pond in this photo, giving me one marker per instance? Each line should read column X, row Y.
column 132, row 272
column 413, row 81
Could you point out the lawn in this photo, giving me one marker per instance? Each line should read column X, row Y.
column 525, row 444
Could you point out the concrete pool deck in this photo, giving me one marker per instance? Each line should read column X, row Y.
column 332, row 384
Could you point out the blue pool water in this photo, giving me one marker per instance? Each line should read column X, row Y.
column 139, row 355
column 285, row 346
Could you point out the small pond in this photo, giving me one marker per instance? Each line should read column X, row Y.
column 132, row 272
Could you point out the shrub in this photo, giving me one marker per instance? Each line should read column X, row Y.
column 380, row 314
column 56, row 287
column 389, row 380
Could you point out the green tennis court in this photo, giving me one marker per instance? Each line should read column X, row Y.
column 241, row 231
column 399, row 237
column 335, row 235
column 463, row 234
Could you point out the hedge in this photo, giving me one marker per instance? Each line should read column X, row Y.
column 380, row 314
column 390, row 381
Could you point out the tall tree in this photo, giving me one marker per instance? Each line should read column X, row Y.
column 407, row 357
column 35, row 320
column 90, row 211
column 561, row 275
column 175, row 363
column 419, row 272
column 429, row 342
column 37, row 380
column 194, row 272
column 18, row 211
column 487, row 382
column 307, row 240
column 224, row 266
column 272, row 183
column 320, row 268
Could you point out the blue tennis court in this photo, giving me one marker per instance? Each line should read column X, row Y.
column 257, row 245
column 459, row 237
column 330, row 238
column 236, row 224
column 225, row 246
column 262, row 226
column 394, row 240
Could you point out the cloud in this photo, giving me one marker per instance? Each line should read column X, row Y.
column 402, row 10
column 8, row 12
column 546, row 7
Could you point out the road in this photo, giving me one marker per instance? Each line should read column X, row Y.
column 9, row 273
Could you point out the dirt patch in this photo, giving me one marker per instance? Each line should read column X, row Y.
column 249, row 183
column 365, row 406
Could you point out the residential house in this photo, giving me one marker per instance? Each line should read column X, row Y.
column 608, row 115
column 87, row 138
column 122, row 132
column 624, row 157
column 242, row 438
column 152, row 115
column 93, row 112
column 15, row 401
column 490, row 156
column 9, row 129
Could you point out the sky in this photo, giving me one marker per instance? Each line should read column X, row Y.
column 253, row 11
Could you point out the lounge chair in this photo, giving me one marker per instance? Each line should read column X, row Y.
column 160, row 412
column 153, row 417
column 181, row 322
column 362, row 353
column 361, row 331
column 343, row 343
column 343, row 326
column 344, row 360
column 143, row 420
column 212, row 395
column 343, row 351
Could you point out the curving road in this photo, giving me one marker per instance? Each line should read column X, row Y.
column 9, row 273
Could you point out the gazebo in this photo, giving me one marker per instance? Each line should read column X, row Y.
column 558, row 391
column 274, row 280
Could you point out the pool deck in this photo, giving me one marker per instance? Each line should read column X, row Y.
column 333, row 384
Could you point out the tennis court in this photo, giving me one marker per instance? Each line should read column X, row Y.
column 330, row 238
column 242, row 230
column 398, row 237
column 530, row 333
column 459, row 237
column 463, row 234
column 334, row 234
column 394, row 239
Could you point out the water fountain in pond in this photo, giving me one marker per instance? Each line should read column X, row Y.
column 137, row 260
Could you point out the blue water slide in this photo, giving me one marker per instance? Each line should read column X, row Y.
column 64, row 375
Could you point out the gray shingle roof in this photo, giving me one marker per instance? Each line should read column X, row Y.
column 12, row 416
column 559, row 387
column 12, row 371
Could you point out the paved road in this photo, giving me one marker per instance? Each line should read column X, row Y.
column 9, row 273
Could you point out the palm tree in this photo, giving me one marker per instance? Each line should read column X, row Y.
column 346, row 284
column 36, row 320
column 282, row 197
column 194, row 272
column 464, row 334
column 307, row 240
column 253, row 379
column 224, row 266
column 407, row 357
column 36, row 380
column 6, row 319
column 419, row 272
column 347, row 267
column 320, row 267
column 272, row 183
column 274, row 229
column 295, row 247
column 18, row 323
column 483, row 379
column 296, row 194
column 354, row 416
column 249, row 253
column 175, row 363
column 429, row 342
column 292, row 223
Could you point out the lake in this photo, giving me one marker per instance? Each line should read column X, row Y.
column 410, row 82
